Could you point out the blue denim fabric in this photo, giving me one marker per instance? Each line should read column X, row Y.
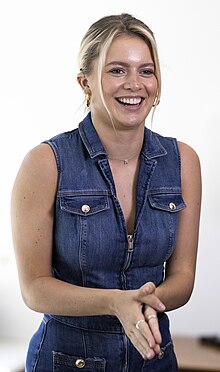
column 91, row 249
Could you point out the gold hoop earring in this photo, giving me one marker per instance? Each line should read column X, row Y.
column 88, row 99
column 156, row 103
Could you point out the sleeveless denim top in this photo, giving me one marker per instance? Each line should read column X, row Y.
column 91, row 246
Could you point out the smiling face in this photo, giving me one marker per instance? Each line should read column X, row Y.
column 129, row 84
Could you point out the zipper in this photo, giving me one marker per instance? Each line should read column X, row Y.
column 130, row 239
column 130, row 243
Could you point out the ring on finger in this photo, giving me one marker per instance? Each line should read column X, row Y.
column 138, row 323
column 151, row 316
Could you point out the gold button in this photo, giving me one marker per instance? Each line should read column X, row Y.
column 161, row 355
column 85, row 208
column 80, row 363
column 172, row 206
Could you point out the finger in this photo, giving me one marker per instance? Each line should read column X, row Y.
column 143, row 348
column 149, row 288
column 143, row 343
column 154, row 327
column 146, row 332
column 153, row 323
column 157, row 349
column 150, row 299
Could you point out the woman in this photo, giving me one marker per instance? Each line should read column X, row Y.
column 105, row 218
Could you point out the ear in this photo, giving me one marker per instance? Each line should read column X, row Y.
column 83, row 82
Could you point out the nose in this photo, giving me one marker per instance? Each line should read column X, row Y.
column 132, row 82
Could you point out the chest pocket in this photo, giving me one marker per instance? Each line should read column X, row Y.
column 83, row 205
column 167, row 201
column 163, row 221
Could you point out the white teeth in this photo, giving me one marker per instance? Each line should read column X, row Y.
column 130, row 101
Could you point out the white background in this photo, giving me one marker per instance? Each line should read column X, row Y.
column 39, row 97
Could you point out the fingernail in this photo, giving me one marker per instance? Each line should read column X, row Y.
column 161, row 306
column 148, row 355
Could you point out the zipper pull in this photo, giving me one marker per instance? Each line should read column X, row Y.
column 130, row 243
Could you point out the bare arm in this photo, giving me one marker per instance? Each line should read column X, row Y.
column 32, row 225
column 176, row 290
column 177, row 287
column 32, row 209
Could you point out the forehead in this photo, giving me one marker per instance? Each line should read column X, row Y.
column 131, row 48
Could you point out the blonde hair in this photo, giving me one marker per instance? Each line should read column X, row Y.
column 98, row 38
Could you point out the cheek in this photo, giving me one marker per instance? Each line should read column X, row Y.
column 152, row 86
column 152, row 91
column 109, row 89
column 111, row 86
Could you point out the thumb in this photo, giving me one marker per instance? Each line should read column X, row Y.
column 148, row 287
column 146, row 295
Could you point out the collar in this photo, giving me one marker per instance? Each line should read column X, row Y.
column 152, row 147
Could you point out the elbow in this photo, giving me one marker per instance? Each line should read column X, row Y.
column 177, row 291
column 186, row 295
column 30, row 298
column 186, row 298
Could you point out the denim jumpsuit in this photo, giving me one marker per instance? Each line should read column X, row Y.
column 92, row 248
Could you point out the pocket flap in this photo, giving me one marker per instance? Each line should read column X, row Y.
column 64, row 362
column 84, row 205
column 170, row 202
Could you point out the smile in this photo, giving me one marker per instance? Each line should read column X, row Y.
column 132, row 101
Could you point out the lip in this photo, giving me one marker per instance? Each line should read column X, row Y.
column 130, row 107
column 129, row 97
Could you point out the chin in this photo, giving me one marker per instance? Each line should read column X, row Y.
column 130, row 124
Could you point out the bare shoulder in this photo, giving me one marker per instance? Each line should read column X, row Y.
column 38, row 172
column 190, row 169
column 189, row 159
column 187, row 153
column 41, row 157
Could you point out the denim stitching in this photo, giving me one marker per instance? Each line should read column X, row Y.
column 45, row 321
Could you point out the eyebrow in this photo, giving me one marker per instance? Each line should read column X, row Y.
column 127, row 65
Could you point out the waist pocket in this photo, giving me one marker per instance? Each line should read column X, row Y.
column 66, row 363
column 164, row 361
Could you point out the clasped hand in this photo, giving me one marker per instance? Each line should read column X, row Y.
column 137, row 311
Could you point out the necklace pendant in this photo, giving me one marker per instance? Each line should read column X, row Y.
column 125, row 161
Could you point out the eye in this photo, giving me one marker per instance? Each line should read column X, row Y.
column 147, row 72
column 116, row 71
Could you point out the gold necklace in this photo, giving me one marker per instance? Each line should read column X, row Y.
column 125, row 161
